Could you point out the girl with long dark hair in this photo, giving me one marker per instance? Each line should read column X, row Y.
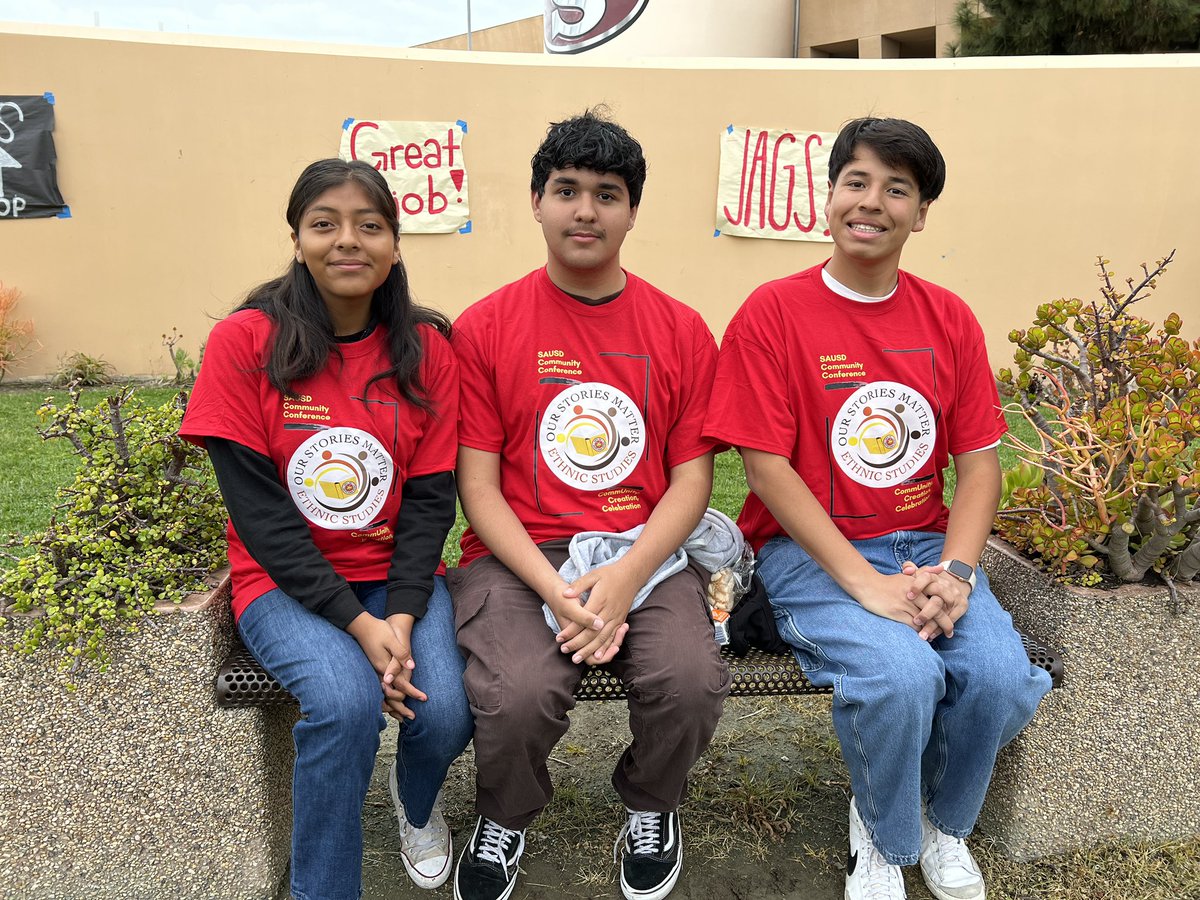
column 328, row 403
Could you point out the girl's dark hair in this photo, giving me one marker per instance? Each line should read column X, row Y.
column 302, row 332
column 590, row 141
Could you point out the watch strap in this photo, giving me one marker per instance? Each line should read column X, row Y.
column 956, row 568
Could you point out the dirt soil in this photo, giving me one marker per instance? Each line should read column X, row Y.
column 765, row 816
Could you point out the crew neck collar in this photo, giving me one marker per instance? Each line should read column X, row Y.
column 579, row 307
column 850, row 294
column 871, row 306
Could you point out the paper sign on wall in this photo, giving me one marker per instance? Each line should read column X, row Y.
column 773, row 183
column 28, row 163
column 424, row 166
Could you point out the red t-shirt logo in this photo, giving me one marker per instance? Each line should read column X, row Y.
column 883, row 434
column 339, row 478
column 592, row 436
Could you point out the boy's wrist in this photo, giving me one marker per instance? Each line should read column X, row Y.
column 551, row 589
column 858, row 583
column 960, row 570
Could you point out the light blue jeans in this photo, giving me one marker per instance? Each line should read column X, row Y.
column 337, row 735
column 916, row 720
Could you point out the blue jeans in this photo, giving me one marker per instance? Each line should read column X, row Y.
column 337, row 735
column 916, row 720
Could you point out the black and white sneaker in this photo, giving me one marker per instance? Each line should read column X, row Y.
column 651, row 848
column 487, row 868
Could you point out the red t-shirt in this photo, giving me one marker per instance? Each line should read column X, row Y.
column 588, row 407
column 867, row 400
column 343, row 458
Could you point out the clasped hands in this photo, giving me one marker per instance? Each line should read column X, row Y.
column 926, row 598
column 387, row 644
column 592, row 632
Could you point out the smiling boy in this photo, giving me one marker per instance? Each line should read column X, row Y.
column 583, row 395
column 876, row 379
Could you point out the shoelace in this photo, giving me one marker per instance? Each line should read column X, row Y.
column 643, row 828
column 492, row 843
column 421, row 841
column 884, row 881
column 952, row 855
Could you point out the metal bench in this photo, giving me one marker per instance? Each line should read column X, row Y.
column 241, row 681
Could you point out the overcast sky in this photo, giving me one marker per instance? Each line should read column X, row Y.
column 401, row 23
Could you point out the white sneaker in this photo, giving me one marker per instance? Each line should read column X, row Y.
column 868, row 875
column 949, row 870
column 426, row 851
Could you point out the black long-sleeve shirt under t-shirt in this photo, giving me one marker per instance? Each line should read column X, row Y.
column 277, row 536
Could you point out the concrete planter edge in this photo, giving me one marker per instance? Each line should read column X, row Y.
column 136, row 784
column 1111, row 756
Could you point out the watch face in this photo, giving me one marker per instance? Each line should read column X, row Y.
column 959, row 569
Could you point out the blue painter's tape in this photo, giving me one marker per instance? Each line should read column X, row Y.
column 717, row 233
column 466, row 229
column 348, row 123
column 64, row 213
column 729, row 129
column 49, row 95
column 462, row 124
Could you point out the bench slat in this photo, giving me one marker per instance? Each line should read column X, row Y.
column 241, row 681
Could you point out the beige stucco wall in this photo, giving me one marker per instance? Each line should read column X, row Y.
column 521, row 36
column 177, row 159
column 664, row 28
column 766, row 29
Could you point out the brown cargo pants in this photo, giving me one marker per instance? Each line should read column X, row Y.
column 521, row 687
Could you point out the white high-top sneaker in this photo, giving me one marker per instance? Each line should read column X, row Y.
column 868, row 875
column 949, row 870
column 426, row 851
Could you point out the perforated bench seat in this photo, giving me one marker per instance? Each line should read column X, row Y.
column 241, row 681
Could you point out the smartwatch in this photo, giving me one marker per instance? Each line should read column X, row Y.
column 960, row 570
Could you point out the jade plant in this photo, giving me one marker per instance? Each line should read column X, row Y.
column 142, row 523
column 1110, row 489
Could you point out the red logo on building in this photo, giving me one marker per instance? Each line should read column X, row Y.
column 573, row 26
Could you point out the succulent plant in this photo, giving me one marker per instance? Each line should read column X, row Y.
column 1112, row 486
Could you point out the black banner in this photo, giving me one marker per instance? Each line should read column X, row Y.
column 28, row 175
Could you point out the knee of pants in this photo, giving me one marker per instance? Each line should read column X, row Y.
column 349, row 708
column 445, row 717
column 694, row 684
column 1004, row 682
column 527, row 705
column 915, row 682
